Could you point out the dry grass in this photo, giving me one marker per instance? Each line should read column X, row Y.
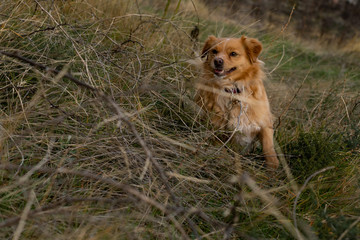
column 106, row 142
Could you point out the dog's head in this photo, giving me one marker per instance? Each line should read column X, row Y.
column 226, row 57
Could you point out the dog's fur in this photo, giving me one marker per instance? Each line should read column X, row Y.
column 231, row 90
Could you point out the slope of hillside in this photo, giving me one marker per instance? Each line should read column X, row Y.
column 100, row 137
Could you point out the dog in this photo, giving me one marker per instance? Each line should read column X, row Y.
column 231, row 90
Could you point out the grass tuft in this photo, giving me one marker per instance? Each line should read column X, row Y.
column 100, row 137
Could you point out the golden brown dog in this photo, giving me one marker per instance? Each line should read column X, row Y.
column 231, row 90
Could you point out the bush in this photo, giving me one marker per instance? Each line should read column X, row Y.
column 312, row 150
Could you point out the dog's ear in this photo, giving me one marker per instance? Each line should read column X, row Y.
column 253, row 48
column 208, row 44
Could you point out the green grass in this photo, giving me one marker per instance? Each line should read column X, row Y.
column 313, row 150
column 139, row 60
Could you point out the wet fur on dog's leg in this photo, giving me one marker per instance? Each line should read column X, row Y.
column 267, row 142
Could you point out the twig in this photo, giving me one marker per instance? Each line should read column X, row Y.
column 187, row 178
column 26, row 177
column 292, row 99
column 3, row 130
column 277, row 65
column 283, row 28
column 39, row 30
column 302, row 189
column 47, row 69
column 346, row 109
column 234, row 215
column 269, row 201
column 38, row 165
column 289, row 19
column 348, row 229
column 41, row 210
column 24, row 215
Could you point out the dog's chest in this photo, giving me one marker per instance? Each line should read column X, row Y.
column 238, row 115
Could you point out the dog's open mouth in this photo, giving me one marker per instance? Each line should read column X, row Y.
column 222, row 72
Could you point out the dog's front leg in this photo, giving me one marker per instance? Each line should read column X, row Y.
column 266, row 137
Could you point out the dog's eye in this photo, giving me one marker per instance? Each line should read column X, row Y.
column 214, row 51
column 233, row 54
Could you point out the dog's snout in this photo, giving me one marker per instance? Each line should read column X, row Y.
column 218, row 62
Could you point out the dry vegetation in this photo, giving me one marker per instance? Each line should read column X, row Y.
column 100, row 137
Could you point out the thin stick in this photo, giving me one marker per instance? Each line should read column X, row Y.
column 292, row 99
column 277, row 65
column 346, row 109
column 302, row 189
column 26, row 177
column 24, row 215
column 269, row 201
column 45, row 209
column 46, row 69
column 289, row 19
column 348, row 229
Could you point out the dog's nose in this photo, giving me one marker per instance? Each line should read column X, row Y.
column 218, row 62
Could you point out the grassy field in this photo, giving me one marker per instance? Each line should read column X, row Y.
column 100, row 137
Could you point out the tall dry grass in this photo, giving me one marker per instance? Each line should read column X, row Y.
column 100, row 138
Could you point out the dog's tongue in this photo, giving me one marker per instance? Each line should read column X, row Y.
column 219, row 71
